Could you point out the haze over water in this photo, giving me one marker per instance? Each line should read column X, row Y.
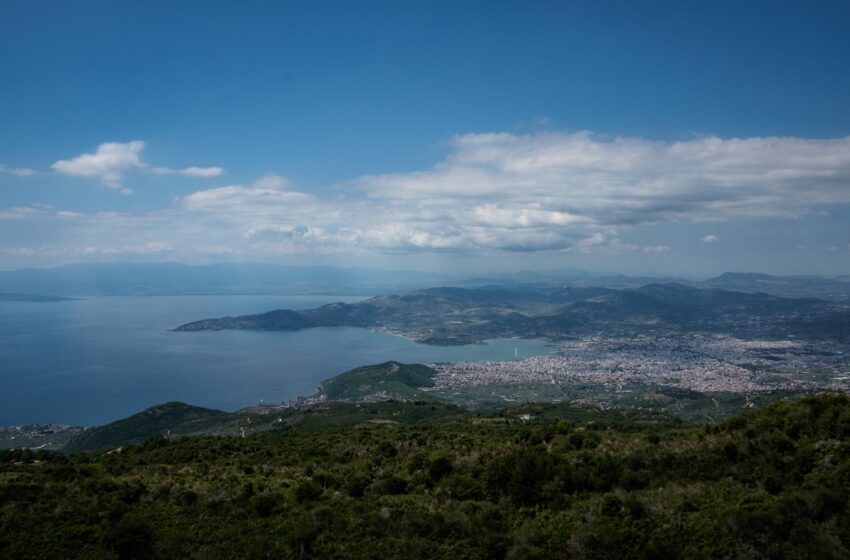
column 95, row 360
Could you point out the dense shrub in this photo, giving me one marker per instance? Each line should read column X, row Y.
column 773, row 483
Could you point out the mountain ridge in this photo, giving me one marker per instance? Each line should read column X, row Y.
column 449, row 315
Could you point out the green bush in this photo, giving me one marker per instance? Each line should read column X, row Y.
column 774, row 483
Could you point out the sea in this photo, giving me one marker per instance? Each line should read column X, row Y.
column 95, row 360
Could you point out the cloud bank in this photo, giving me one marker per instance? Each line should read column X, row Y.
column 625, row 181
column 493, row 193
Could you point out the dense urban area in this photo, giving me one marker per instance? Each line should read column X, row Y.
column 700, row 363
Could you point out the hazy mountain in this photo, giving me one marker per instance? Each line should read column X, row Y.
column 461, row 315
column 250, row 278
column 33, row 298
column 173, row 278
column 833, row 289
column 827, row 288
column 568, row 277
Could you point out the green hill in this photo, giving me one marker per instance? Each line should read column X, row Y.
column 423, row 480
column 390, row 380
column 172, row 418
column 175, row 420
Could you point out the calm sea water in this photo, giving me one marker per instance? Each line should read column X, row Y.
column 96, row 360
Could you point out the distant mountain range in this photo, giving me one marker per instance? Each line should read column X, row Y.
column 832, row 289
column 463, row 315
column 35, row 298
column 568, row 277
column 112, row 279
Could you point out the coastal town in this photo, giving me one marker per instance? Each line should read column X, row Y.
column 701, row 363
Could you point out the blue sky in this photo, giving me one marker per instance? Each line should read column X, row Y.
column 653, row 137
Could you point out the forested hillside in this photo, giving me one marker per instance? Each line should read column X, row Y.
column 530, row 482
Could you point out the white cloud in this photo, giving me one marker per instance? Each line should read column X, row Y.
column 238, row 200
column 21, row 213
column 68, row 214
column 590, row 243
column 108, row 163
column 610, row 241
column 498, row 194
column 270, row 181
column 19, row 171
column 206, row 172
column 493, row 215
column 627, row 181
column 202, row 171
column 112, row 160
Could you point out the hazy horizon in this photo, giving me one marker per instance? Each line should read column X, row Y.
column 458, row 274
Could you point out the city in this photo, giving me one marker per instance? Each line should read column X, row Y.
column 702, row 363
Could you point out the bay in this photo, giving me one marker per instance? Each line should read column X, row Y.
column 94, row 360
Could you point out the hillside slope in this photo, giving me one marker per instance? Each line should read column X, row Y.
column 529, row 482
column 390, row 380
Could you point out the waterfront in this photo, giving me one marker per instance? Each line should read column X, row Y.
column 94, row 360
